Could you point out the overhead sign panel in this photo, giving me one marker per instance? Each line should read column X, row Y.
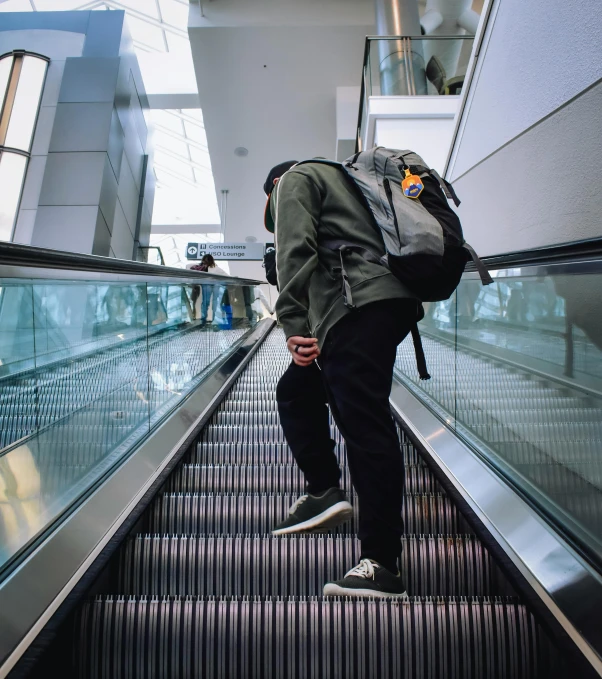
column 249, row 251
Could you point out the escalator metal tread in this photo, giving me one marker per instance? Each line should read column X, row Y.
column 286, row 638
column 208, row 592
column 453, row 565
column 230, row 514
column 285, row 478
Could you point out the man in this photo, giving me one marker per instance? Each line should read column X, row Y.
column 354, row 348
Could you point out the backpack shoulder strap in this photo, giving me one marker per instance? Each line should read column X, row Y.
column 419, row 351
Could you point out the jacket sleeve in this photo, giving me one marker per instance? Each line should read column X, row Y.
column 296, row 208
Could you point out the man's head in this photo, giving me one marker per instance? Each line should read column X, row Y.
column 275, row 173
column 273, row 176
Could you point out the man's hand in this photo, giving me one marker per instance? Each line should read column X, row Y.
column 303, row 349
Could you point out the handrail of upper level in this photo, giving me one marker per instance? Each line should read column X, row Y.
column 25, row 261
column 559, row 253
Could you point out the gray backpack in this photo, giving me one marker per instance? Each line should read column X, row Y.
column 424, row 245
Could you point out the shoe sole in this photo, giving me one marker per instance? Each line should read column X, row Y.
column 330, row 518
column 330, row 589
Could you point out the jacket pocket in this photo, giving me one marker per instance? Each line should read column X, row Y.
column 359, row 270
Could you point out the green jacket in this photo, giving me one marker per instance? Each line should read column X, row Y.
column 310, row 204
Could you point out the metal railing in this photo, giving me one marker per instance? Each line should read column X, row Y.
column 144, row 255
column 412, row 66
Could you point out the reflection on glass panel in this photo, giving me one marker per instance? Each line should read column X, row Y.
column 16, row 326
column 18, row 400
column 441, row 389
column 39, row 479
column 518, row 364
column 220, row 314
column 6, row 65
column 72, row 319
column 75, row 330
column 12, row 174
column 87, row 369
column 27, row 101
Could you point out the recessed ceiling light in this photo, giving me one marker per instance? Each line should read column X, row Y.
column 241, row 151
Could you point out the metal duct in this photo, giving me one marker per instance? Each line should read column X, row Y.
column 401, row 63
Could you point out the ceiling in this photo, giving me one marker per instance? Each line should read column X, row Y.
column 271, row 89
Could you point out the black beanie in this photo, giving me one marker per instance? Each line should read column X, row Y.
column 275, row 173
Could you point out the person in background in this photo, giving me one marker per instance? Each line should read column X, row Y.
column 212, row 293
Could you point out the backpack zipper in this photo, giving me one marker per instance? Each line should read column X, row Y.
column 389, row 192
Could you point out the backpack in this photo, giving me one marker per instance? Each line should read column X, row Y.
column 424, row 245
column 269, row 264
column 200, row 267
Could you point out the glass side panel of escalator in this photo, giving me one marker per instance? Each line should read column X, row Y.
column 86, row 370
column 517, row 371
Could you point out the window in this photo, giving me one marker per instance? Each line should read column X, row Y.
column 22, row 77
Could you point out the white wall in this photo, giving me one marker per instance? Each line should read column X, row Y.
column 348, row 103
column 430, row 138
column 424, row 124
column 527, row 157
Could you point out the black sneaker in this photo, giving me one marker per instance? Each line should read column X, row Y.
column 367, row 579
column 314, row 513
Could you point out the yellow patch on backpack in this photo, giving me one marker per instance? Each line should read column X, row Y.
column 412, row 185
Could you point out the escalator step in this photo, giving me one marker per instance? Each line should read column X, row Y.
column 227, row 417
column 252, row 565
column 284, row 478
column 196, row 514
column 222, row 433
column 207, row 452
column 251, row 430
column 286, row 638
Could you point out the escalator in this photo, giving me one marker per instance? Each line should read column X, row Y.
column 143, row 468
column 205, row 590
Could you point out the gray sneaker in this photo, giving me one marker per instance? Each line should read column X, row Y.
column 316, row 513
column 368, row 579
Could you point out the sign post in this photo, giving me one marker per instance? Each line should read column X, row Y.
column 230, row 251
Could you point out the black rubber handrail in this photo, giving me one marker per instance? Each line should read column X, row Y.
column 581, row 250
column 13, row 254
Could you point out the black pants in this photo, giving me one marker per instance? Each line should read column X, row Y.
column 355, row 379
